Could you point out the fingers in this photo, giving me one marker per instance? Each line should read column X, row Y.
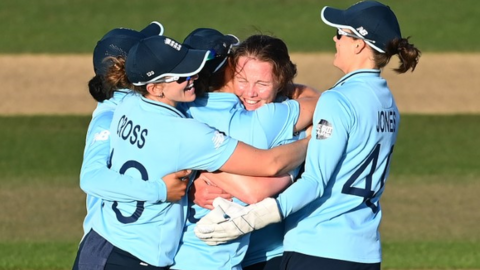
column 176, row 190
column 225, row 196
column 214, row 190
column 215, row 234
column 183, row 175
column 231, row 209
column 204, row 194
column 208, row 204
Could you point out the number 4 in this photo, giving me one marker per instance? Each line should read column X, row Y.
column 367, row 193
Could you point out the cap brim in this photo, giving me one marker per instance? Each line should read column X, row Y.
column 337, row 18
column 235, row 41
column 191, row 64
column 334, row 17
column 153, row 29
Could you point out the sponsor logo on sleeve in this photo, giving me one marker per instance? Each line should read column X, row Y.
column 218, row 139
column 104, row 135
column 324, row 130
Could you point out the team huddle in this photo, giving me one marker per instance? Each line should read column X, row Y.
column 205, row 154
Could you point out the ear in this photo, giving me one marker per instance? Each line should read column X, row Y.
column 155, row 89
column 359, row 45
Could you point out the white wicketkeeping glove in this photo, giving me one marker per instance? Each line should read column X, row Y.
column 229, row 220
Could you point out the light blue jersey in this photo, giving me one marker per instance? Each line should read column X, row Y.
column 267, row 243
column 337, row 198
column 96, row 179
column 270, row 125
column 264, row 127
column 150, row 139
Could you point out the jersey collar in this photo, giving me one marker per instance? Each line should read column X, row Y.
column 355, row 73
column 163, row 106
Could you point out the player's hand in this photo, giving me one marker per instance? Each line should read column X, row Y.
column 203, row 192
column 228, row 220
column 176, row 184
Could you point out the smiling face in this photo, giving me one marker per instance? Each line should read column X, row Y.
column 254, row 82
column 173, row 92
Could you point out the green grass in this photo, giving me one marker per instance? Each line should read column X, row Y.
column 429, row 206
column 74, row 26
column 37, row 147
column 38, row 255
column 437, row 145
column 431, row 255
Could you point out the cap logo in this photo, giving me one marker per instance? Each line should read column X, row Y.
column 173, row 44
column 362, row 31
column 150, row 73
column 116, row 48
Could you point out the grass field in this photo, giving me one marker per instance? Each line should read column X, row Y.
column 74, row 26
column 430, row 204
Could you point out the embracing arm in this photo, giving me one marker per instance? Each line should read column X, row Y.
column 307, row 97
column 304, row 91
column 249, row 189
column 99, row 181
column 247, row 160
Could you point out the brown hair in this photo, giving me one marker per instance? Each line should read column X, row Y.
column 409, row 55
column 208, row 81
column 273, row 50
column 116, row 77
column 98, row 90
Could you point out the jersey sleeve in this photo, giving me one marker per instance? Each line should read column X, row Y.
column 332, row 121
column 204, row 148
column 99, row 181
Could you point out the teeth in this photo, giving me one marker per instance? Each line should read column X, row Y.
column 190, row 86
column 251, row 101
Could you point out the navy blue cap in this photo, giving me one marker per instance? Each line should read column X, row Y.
column 211, row 39
column 369, row 20
column 157, row 57
column 117, row 42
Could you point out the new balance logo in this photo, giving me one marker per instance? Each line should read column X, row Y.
column 218, row 139
column 362, row 31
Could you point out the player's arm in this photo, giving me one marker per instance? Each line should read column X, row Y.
column 99, row 181
column 251, row 161
column 303, row 91
column 307, row 97
column 327, row 145
column 326, row 148
column 249, row 189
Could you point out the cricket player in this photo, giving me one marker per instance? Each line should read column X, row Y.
column 332, row 212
